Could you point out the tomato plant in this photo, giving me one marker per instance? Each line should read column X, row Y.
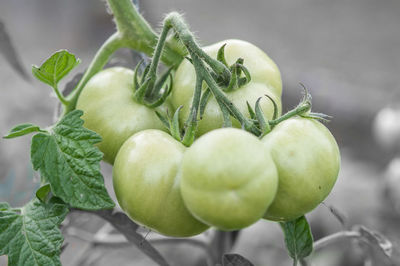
column 265, row 80
column 111, row 110
column 199, row 172
column 308, row 161
column 145, row 177
column 228, row 179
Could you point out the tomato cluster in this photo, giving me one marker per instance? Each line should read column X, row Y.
column 228, row 178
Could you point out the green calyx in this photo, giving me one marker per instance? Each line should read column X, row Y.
column 236, row 70
column 148, row 90
column 303, row 109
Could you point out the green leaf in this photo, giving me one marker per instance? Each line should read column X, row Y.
column 55, row 68
column 32, row 237
column 4, row 206
column 22, row 130
column 298, row 238
column 43, row 192
column 235, row 260
column 68, row 160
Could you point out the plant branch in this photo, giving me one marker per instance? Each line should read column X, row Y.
column 137, row 33
column 60, row 97
column 176, row 21
column 335, row 237
column 128, row 228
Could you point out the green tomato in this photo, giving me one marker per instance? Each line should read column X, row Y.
column 265, row 80
column 308, row 161
column 110, row 110
column 228, row 179
column 146, row 183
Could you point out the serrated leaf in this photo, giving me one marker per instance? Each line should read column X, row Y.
column 55, row 68
column 298, row 238
column 9, row 52
column 235, row 260
column 22, row 130
column 68, row 160
column 32, row 237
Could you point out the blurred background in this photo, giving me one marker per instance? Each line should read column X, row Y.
column 346, row 52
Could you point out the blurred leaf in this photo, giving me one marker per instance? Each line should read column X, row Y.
column 32, row 237
column 339, row 215
column 55, row 68
column 298, row 238
column 235, row 260
column 375, row 239
column 10, row 53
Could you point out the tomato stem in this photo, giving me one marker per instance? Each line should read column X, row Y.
column 138, row 34
column 176, row 21
column 133, row 32
column 60, row 97
column 302, row 108
column 113, row 43
column 198, row 57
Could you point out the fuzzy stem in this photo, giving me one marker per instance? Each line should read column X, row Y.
column 301, row 109
column 191, row 122
column 156, row 59
column 175, row 21
column 137, row 33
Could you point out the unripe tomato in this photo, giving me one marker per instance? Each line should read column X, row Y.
column 228, row 179
column 308, row 161
column 146, row 183
column 110, row 110
column 265, row 79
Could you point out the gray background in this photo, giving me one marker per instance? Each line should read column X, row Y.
column 346, row 52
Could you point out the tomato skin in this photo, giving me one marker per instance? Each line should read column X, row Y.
column 308, row 161
column 110, row 110
column 145, row 179
column 228, row 180
column 265, row 79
